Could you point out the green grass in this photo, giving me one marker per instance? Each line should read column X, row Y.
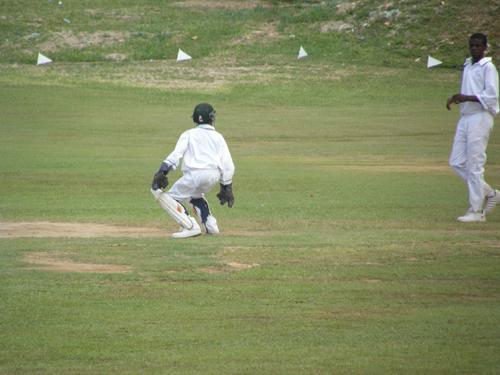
column 344, row 202
column 345, row 206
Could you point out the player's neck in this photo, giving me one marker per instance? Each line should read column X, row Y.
column 476, row 59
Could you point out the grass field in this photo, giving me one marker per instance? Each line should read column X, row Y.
column 341, row 255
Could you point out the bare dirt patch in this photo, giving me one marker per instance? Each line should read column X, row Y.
column 241, row 266
column 75, row 230
column 336, row 26
column 344, row 8
column 116, row 57
column 45, row 229
column 48, row 262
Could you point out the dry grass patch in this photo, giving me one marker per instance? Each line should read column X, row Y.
column 488, row 244
column 200, row 75
column 49, row 262
column 336, row 26
column 119, row 14
column 252, row 233
column 228, row 264
column 264, row 34
column 218, row 4
column 69, row 39
column 402, row 168
column 229, row 267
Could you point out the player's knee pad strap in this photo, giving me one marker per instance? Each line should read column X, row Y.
column 201, row 207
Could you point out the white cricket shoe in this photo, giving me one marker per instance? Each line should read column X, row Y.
column 472, row 217
column 491, row 201
column 186, row 233
column 211, row 225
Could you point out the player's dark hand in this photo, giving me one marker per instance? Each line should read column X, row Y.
column 460, row 98
column 455, row 99
column 448, row 103
column 160, row 181
column 226, row 195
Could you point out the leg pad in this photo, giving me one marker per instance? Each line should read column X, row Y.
column 173, row 208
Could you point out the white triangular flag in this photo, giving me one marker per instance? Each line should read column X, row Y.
column 183, row 56
column 42, row 59
column 302, row 53
column 431, row 61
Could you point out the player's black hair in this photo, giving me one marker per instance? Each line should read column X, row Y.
column 481, row 37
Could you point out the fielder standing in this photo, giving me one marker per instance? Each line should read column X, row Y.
column 478, row 100
column 206, row 161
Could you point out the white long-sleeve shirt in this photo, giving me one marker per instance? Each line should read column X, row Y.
column 203, row 148
column 480, row 79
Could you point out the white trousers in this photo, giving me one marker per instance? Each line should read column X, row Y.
column 468, row 155
column 194, row 184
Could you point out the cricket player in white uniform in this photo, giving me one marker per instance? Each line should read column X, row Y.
column 206, row 161
column 478, row 100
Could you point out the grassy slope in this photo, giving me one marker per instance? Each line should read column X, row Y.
column 341, row 177
column 390, row 32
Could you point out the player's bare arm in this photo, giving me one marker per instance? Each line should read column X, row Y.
column 460, row 98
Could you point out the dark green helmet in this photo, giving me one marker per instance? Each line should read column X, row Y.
column 204, row 113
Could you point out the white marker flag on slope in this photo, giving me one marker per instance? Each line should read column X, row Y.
column 42, row 59
column 183, row 56
column 431, row 62
column 302, row 53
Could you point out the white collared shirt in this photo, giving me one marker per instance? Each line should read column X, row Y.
column 203, row 148
column 480, row 79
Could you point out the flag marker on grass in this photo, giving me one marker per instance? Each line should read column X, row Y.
column 42, row 59
column 431, row 62
column 302, row 53
column 183, row 56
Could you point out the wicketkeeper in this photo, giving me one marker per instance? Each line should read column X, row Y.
column 206, row 161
